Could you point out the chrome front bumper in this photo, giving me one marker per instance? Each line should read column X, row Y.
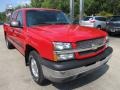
column 58, row 76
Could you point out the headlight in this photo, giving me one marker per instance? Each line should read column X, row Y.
column 59, row 46
column 62, row 46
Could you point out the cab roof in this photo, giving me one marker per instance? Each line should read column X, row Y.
column 41, row 9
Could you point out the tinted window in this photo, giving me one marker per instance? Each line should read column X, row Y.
column 36, row 17
column 87, row 18
column 100, row 18
column 19, row 18
column 115, row 18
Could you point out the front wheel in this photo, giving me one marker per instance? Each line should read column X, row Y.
column 36, row 69
column 99, row 27
column 9, row 44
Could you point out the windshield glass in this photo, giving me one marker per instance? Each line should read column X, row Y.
column 36, row 17
column 115, row 18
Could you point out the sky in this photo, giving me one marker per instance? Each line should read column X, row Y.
column 4, row 3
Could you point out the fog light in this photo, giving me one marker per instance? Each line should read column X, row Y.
column 62, row 57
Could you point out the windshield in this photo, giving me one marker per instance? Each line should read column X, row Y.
column 115, row 18
column 36, row 17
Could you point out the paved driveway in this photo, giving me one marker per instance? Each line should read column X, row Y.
column 14, row 75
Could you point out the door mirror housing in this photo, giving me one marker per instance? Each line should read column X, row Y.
column 15, row 24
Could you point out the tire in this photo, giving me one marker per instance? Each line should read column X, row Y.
column 9, row 44
column 99, row 27
column 36, row 69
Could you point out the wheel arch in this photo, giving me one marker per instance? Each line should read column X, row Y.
column 5, row 34
column 28, row 49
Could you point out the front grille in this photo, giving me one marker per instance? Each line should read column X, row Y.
column 91, row 51
column 89, row 44
column 117, row 29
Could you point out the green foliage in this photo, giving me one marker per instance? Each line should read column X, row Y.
column 49, row 4
column 2, row 17
column 36, row 3
column 97, row 6
column 103, row 13
column 55, row 4
column 92, row 7
column 22, row 6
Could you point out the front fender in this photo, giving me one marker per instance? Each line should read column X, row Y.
column 43, row 46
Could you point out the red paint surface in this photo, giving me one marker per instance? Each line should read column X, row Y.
column 41, row 37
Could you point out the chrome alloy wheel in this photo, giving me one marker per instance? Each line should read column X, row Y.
column 6, row 42
column 34, row 67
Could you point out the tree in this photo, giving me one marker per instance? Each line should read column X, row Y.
column 91, row 6
column 56, row 4
column 2, row 16
column 36, row 3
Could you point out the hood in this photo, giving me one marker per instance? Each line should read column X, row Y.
column 66, row 33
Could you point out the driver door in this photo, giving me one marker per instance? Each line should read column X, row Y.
column 19, row 35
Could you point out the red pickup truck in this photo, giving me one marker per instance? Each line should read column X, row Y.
column 54, row 48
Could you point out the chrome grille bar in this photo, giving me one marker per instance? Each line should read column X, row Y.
column 78, row 50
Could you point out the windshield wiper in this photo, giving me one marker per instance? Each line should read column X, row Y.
column 46, row 23
column 42, row 24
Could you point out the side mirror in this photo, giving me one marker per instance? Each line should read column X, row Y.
column 14, row 24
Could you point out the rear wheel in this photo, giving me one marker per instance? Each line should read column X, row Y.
column 36, row 69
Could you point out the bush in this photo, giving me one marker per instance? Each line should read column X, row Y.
column 2, row 17
column 103, row 13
